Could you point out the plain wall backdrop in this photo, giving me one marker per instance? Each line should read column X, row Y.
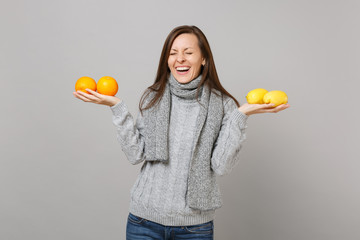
column 63, row 174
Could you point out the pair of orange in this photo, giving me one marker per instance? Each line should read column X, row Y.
column 106, row 85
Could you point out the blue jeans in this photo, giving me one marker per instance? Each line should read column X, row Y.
column 142, row 229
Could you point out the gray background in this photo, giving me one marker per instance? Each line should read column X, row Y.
column 63, row 174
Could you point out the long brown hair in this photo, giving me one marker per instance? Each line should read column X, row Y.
column 209, row 74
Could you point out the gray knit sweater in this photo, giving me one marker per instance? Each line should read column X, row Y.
column 159, row 193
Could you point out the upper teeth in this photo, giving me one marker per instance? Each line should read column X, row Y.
column 182, row 68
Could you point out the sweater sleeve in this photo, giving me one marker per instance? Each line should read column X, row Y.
column 227, row 147
column 129, row 135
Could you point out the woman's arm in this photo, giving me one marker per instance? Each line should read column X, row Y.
column 227, row 147
column 129, row 135
column 232, row 133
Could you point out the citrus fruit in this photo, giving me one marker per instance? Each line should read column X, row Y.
column 85, row 82
column 276, row 97
column 107, row 86
column 256, row 96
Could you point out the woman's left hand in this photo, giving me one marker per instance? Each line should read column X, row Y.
column 250, row 109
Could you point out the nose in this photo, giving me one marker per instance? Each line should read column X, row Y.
column 180, row 58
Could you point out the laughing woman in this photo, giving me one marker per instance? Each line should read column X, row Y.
column 189, row 130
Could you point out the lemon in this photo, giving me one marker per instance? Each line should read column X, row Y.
column 256, row 96
column 276, row 97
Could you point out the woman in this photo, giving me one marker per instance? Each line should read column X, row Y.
column 189, row 130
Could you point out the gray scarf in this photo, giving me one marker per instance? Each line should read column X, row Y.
column 203, row 192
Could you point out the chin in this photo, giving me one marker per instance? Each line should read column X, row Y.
column 183, row 79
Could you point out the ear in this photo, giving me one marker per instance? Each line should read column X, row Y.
column 203, row 62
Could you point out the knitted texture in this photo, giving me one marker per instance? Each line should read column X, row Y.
column 203, row 192
column 158, row 117
column 160, row 191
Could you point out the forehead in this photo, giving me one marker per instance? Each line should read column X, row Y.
column 185, row 40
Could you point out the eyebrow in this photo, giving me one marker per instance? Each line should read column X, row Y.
column 177, row 50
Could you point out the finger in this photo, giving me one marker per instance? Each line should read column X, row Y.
column 92, row 92
column 279, row 108
column 77, row 95
column 266, row 106
column 283, row 107
column 88, row 96
column 98, row 95
column 82, row 93
column 81, row 97
column 92, row 98
column 287, row 105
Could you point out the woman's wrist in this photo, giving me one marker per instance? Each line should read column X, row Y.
column 114, row 102
column 241, row 109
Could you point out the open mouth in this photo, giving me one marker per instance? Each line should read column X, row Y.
column 182, row 70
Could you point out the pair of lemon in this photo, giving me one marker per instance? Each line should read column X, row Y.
column 106, row 85
column 261, row 96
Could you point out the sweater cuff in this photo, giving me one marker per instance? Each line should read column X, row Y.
column 239, row 117
column 118, row 108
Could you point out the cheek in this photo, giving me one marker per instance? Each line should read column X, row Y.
column 197, row 62
column 170, row 62
column 198, row 65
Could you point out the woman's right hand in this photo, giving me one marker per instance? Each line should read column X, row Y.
column 96, row 97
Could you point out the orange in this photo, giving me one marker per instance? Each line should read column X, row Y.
column 85, row 82
column 107, row 86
